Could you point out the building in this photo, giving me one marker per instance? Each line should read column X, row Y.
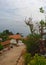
column 16, row 37
column 13, row 42
column 6, row 43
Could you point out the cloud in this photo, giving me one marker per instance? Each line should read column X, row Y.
column 15, row 11
column 20, row 8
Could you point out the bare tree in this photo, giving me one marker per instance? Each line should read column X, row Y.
column 30, row 24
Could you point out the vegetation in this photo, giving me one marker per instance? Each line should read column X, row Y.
column 1, row 47
column 41, row 24
column 5, row 35
column 35, row 60
column 7, row 32
column 41, row 10
column 30, row 24
column 32, row 43
column 27, row 58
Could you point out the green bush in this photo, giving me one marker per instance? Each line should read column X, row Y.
column 32, row 43
column 37, row 60
column 27, row 58
column 1, row 47
column 5, row 37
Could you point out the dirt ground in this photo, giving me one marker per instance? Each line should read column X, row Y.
column 11, row 56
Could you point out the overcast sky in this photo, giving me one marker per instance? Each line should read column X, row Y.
column 13, row 13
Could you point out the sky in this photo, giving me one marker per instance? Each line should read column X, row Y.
column 13, row 13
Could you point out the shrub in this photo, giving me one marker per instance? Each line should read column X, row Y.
column 1, row 47
column 4, row 38
column 27, row 58
column 37, row 60
column 32, row 43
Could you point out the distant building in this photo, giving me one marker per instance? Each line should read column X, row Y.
column 16, row 37
column 13, row 41
column 6, row 43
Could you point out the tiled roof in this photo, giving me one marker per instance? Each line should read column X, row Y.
column 5, row 42
column 17, row 36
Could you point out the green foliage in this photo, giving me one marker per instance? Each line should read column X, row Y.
column 5, row 35
column 45, row 24
column 41, row 10
column 7, row 32
column 37, row 60
column 42, row 23
column 4, row 38
column 1, row 47
column 27, row 58
column 32, row 43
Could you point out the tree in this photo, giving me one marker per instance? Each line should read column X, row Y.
column 41, row 27
column 30, row 24
column 45, row 25
column 42, row 23
column 41, row 10
column 7, row 32
column 5, row 35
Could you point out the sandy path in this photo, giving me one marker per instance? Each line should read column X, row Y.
column 10, row 58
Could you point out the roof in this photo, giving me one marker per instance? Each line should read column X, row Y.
column 5, row 42
column 17, row 36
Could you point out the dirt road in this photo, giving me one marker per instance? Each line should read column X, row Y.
column 11, row 57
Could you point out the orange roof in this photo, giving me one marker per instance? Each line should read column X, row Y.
column 17, row 36
column 5, row 42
